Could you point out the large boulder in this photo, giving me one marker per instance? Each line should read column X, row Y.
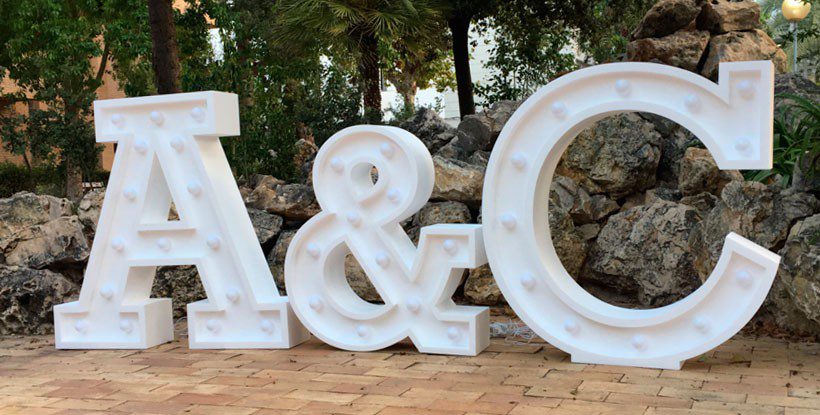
column 294, row 201
column 478, row 132
column 700, row 173
column 26, row 209
column 266, row 225
column 682, row 49
column 763, row 214
column 276, row 258
column 566, row 195
column 27, row 297
column 89, row 208
column 480, row 287
column 54, row 243
column 794, row 299
column 617, row 156
column 721, row 16
column 568, row 242
column 754, row 45
column 181, row 284
column 645, row 250
column 429, row 128
column 457, row 180
column 666, row 17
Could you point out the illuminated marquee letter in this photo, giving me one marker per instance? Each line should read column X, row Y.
column 169, row 152
column 361, row 217
column 733, row 119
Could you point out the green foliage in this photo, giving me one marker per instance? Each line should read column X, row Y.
column 603, row 27
column 285, row 93
column 526, row 54
column 44, row 179
column 808, row 33
column 796, row 135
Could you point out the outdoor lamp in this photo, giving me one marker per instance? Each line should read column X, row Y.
column 795, row 11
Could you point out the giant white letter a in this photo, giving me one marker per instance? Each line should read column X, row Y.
column 169, row 152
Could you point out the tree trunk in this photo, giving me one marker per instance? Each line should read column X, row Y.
column 460, row 27
column 165, row 58
column 73, row 181
column 369, row 71
column 409, row 96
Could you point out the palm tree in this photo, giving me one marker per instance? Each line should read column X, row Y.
column 359, row 26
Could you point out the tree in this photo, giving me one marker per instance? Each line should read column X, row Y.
column 58, row 52
column 165, row 52
column 411, row 63
column 358, row 26
column 808, row 33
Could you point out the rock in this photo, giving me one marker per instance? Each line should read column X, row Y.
column 583, row 208
column 753, row 45
column 568, row 243
column 457, row 181
column 88, row 210
column 794, row 84
column 721, row 16
column 589, row 231
column 25, row 209
column 661, row 193
column 430, row 129
column 618, row 156
column 479, row 158
column 358, row 281
column 646, row 250
column 667, row 17
column 478, row 132
column 27, row 297
column 442, row 212
column 806, row 174
column 703, row 202
column 181, row 284
column 682, row 49
column 760, row 213
column 794, row 300
column 480, row 287
column 305, row 151
column 291, row 201
column 57, row 242
column 276, row 259
column 266, row 225
column 699, row 173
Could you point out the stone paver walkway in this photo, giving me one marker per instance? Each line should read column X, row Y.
column 744, row 376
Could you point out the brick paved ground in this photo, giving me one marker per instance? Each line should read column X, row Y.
column 744, row 376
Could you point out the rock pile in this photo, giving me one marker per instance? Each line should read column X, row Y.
column 697, row 35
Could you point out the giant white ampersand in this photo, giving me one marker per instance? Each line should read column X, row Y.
column 169, row 151
column 361, row 217
column 734, row 121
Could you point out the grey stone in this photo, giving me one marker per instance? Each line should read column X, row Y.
column 457, row 180
column 666, row 17
column 700, row 173
column 25, row 209
column 276, row 258
column 617, row 156
column 181, row 284
column 88, row 210
column 754, row 45
column 290, row 200
column 581, row 206
column 430, row 129
column 646, row 250
column 682, row 49
column 569, row 245
column 721, row 16
column 760, row 213
column 266, row 225
column 443, row 212
column 58, row 242
column 27, row 297
column 794, row 299
column 480, row 287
